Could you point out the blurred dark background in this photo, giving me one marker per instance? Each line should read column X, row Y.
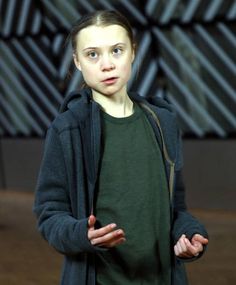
column 186, row 54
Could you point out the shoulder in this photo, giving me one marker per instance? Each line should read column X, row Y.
column 74, row 110
column 72, row 118
column 64, row 121
column 157, row 103
column 162, row 109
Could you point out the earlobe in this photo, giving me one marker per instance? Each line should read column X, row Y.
column 77, row 63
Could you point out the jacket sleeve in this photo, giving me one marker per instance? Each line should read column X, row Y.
column 52, row 205
column 183, row 221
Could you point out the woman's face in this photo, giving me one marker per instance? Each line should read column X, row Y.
column 104, row 55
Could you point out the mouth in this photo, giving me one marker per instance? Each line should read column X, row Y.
column 110, row 80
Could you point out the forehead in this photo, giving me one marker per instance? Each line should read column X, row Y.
column 96, row 36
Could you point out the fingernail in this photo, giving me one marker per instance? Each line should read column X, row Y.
column 113, row 226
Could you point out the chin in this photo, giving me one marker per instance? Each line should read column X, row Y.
column 108, row 91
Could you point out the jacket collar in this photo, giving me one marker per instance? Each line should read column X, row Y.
column 81, row 100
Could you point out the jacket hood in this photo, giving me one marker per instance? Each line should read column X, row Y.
column 157, row 101
column 84, row 96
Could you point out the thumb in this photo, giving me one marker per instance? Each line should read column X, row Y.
column 91, row 221
column 199, row 238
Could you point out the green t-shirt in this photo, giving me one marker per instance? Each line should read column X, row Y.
column 133, row 193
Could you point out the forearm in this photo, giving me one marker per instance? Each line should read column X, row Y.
column 183, row 222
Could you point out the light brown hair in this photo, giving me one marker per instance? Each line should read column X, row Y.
column 101, row 18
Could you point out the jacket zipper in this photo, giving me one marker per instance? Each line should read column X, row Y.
column 165, row 152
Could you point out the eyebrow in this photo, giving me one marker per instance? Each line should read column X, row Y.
column 117, row 44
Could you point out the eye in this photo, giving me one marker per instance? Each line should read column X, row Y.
column 117, row 50
column 92, row 54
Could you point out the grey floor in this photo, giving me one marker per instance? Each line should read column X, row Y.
column 26, row 259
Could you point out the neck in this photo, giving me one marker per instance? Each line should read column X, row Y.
column 117, row 105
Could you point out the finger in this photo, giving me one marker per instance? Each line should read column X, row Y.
column 107, row 237
column 197, row 245
column 180, row 250
column 183, row 245
column 199, row 238
column 181, row 254
column 91, row 221
column 194, row 249
column 186, row 249
column 101, row 232
column 114, row 242
column 177, row 247
column 176, row 250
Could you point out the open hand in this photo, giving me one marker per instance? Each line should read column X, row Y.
column 107, row 236
column 187, row 249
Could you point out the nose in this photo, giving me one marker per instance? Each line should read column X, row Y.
column 107, row 63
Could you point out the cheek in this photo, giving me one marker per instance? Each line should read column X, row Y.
column 127, row 63
column 126, row 69
column 88, row 72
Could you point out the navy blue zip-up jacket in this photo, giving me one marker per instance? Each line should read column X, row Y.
column 68, row 176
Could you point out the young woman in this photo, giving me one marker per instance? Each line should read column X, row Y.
column 110, row 195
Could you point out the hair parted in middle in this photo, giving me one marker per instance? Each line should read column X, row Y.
column 101, row 18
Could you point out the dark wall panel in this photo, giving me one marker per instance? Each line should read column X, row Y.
column 210, row 173
column 209, row 170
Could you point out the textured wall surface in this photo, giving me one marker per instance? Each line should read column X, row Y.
column 186, row 53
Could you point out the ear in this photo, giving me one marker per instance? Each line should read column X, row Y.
column 133, row 53
column 76, row 61
column 133, row 56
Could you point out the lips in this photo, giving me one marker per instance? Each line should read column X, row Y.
column 110, row 80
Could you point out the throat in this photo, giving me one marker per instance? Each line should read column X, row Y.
column 119, row 107
column 119, row 111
